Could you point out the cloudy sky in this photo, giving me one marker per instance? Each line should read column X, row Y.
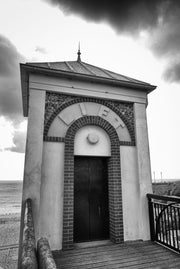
column 139, row 38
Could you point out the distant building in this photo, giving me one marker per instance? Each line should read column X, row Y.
column 87, row 165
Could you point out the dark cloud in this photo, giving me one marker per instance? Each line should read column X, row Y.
column 165, row 38
column 9, row 57
column 10, row 89
column 172, row 73
column 10, row 93
column 160, row 18
column 165, row 42
column 128, row 16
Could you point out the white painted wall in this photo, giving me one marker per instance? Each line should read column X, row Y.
column 83, row 88
column 52, row 188
column 48, row 184
column 82, row 146
column 130, row 192
column 33, row 157
column 144, row 168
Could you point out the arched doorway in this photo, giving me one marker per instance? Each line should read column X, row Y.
column 114, row 179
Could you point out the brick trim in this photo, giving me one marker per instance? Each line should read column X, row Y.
column 53, row 139
column 114, row 181
column 126, row 143
column 55, row 106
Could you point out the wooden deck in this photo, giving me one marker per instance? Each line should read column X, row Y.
column 110, row 256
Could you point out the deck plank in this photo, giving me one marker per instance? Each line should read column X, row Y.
column 134, row 255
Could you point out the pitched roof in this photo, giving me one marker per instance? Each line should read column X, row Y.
column 83, row 68
column 77, row 70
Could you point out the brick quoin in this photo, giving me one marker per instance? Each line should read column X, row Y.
column 114, row 181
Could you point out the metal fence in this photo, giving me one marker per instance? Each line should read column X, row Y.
column 33, row 254
column 164, row 213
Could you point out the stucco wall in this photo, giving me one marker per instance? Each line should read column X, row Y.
column 84, row 88
column 51, row 207
column 52, row 186
column 130, row 192
column 33, row 157
column 82, row 145
column 144, row 168
column 44, row 178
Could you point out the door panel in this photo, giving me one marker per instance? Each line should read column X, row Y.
column 81, row 201
column 91, row 218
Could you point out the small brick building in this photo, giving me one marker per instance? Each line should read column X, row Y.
column 87, row 164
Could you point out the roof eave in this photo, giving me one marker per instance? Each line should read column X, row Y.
column 24, row 89
column 26, row 69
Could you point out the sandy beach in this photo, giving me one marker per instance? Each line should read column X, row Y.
column 9, row 235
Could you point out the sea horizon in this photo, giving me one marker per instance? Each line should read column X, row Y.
column 4, row 180
column 10, row 196
column 153, row 180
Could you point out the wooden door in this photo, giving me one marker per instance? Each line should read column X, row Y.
column 91, row 215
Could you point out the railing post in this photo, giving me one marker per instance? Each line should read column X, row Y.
column 27, row 254
column 45, row 257
column 151, row 219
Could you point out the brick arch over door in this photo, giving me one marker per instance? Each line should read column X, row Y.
column 127, row 119
column 114, row 181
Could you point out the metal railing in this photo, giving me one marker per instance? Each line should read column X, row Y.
column 27, row 245
column 30, row 256
column 164, row 213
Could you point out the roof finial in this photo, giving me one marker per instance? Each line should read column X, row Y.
column 79, row 54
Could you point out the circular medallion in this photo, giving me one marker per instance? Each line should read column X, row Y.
column 93, row 138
